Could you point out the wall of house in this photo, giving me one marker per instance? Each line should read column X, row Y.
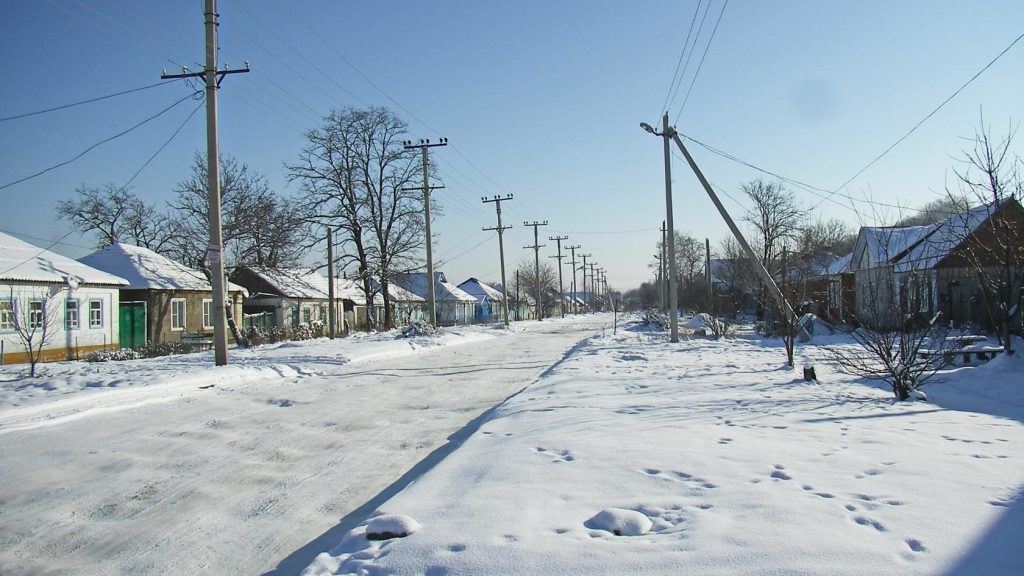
column 159, row 317
column 962, row 301
column 876, row 296
column 62, row 343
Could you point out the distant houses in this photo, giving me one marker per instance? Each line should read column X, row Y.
column 65, row 307
column 453, row 305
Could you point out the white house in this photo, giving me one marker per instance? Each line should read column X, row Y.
column 490, row 302
column 454, row 305
column 74, row 305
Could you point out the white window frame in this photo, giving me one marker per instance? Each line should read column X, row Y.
column 208, row 313
column 36, row 316
column 95, row 320
column 6, row 314
column 68, row 324
column 178, row 318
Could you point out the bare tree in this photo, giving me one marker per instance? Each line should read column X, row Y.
column 114, row 214
column 353, row 171
column 35, row 320
column 775, row 216
column 991, row 237
column 258, row 226
column 938, row 210
column 528, row 277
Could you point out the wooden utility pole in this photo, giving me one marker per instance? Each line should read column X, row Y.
column 572, row 250
column 501, row 248
column 215, row 248
column 331, row 314
column 561, row 291
column 584, row 269
column 536, row 263
column 424, row 146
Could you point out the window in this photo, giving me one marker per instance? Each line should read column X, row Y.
column 6, row 315
column 207, row 313
column 177, row 313
column 307, row 312
column 71, row 314
column 35, row 314
column 95, row 314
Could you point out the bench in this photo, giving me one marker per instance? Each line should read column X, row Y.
column 982, row 352
column 197, row 340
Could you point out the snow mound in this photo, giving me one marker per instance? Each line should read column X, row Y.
column 391, row 526
column 417, row 329
column 697, row 321
column 620, row 522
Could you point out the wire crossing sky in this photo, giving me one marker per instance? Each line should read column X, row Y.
column 542, row 100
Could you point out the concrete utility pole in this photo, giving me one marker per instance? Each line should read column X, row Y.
column 572, row 263
column 584, row 269
column 215, row 248
column 332, row 319
column 707, row 272
column 536, row 263
column 425, row 145
column 501, row 248
column 664, row 268
column 673, row 299
column 766, row 278
column 561, row 291
column 593, row 283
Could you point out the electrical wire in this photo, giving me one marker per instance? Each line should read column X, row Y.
column 701, row 63
column 682, row 53
column 689, row 56
column 104, row 141
column 79, row 103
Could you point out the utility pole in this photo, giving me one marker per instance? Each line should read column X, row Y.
column 673, row 299
column 561, row 291
column 501, row 248
column 707, row 270
column 572, row 263
column 664, row 268
column 215, row 248
column 331, row 314
column 536, row 263
column 584, row 269
column 424, row 146
column 593, row 283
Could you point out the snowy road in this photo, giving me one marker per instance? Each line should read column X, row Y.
column 249, row 477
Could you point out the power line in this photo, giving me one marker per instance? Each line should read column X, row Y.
column 929, row 115
column 164, row 145
column 79, row 103
column 701, row 63
column 104, row 141
column 679, row 82
column 675, row 75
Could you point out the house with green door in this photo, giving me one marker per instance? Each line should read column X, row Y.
column 164, row 301
column 63, row 308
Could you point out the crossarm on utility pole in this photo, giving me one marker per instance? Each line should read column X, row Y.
column 766, row 278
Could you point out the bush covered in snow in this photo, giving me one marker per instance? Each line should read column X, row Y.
column 417, row 329
column 114, row 355
column 255, row 336
column 151, row 350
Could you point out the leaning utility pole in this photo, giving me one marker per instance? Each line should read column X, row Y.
column 769, row 282
column 561, row 291
column 584, row 269
column 536, row 263
column 572, row 263
column 215, row 248
column 425, row 145
column 501, row 248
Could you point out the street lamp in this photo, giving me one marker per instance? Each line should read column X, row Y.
column 666, row 134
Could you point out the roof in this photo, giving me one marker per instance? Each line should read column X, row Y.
column 21, row 261
column 444, row 291
column 480, row 291
column 839, row 265
column 299, row 283
column 922, row 247
column 144, row 269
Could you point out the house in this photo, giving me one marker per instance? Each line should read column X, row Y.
column 290, row 297
column 74, row 304
column 490, row 302
column 164, row 300
column 923, row 270
column 408, row 307
column 453, row 305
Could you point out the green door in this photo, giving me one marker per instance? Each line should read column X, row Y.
column 132, row 324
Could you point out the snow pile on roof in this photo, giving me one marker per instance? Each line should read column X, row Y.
column 144, row 269
column 444, row 291
column 299, row 283
column 922, row 247
column 481, row 291
column 21, row 261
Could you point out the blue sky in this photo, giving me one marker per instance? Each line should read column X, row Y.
column 542, row 100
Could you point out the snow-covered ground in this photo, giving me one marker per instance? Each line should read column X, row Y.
column 508, row 452
column 712, row 457
column 172, row 466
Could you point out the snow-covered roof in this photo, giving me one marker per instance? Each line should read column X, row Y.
column 839, row 265
column 921, row 247
column 21, row 261
column 299, row 283
column 480, row 291
column 144, row 269
column 444, row 291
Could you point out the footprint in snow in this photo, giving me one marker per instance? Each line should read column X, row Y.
column 865, row 521
column 779, row 473
column 915, row 545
